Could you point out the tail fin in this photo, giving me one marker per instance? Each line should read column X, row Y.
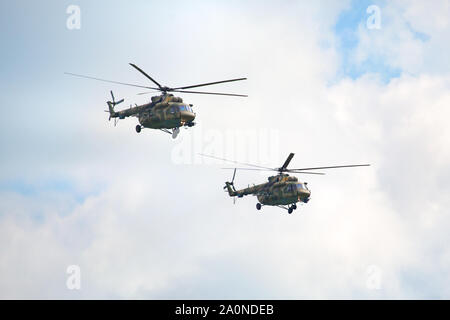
column 230, row 185
column 111, row 105
column 230, row 189
column 112, row 113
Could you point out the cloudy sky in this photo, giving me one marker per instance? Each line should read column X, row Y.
column 144, row 217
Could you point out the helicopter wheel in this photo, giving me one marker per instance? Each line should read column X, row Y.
column 290, row 210
column 294, row 206
column 138, row 128
column 258, row 206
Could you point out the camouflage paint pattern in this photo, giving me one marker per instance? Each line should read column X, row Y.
column 164, row 112
column 280, row 190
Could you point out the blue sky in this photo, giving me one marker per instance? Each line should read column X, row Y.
column 346, row 30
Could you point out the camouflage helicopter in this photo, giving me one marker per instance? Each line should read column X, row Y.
column 282, row 190
column 165, row 112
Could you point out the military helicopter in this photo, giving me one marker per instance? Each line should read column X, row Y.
column 165, row 112
column 282, row 190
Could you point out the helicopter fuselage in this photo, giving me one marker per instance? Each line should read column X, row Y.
column 168, row 116
column 284, row 193
column 164, row 112
column 280, row 190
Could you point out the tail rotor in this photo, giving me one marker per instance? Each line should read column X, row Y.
column 111, row 105
column 229, row 186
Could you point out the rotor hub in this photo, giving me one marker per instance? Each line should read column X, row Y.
column 166, row 89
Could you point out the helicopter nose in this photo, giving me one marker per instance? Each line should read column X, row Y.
column 187, row 116
column 303, row 195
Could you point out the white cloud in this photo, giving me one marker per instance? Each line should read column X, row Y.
column 413, row 37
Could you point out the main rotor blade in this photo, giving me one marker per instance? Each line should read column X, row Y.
column 214, row 93
column 209, row 83
column 110, row 81
column 141, row 71
column 332, row 167
column 286, row 163
column 305, row 172
column 234, row 174
column 148, row 92
column 257, row 169
column 246, row 164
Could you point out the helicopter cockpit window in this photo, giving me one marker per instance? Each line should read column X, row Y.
column 173, row 109
column 300, row 186
column 185, row 108
column 289, row 188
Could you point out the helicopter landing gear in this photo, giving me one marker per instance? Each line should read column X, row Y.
column 175, row 132
column 138, row 128
column 291, row 208
column 258, row 206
